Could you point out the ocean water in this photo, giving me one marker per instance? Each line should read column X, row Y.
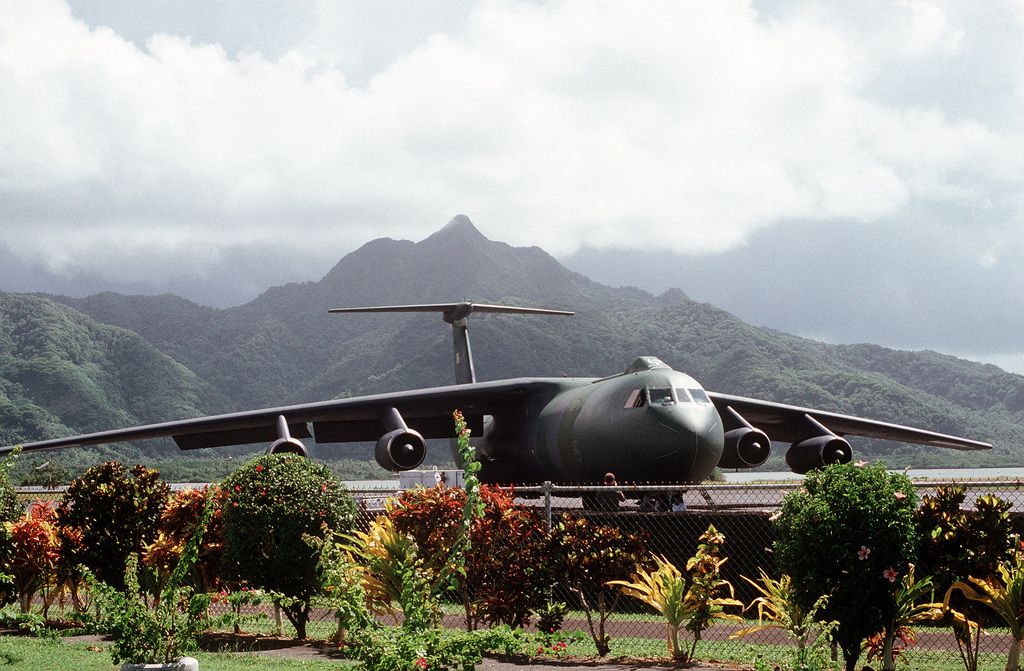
column 914, row 473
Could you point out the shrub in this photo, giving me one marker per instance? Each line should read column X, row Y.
column 586, row 557
column 107, row 515
column 36, row 550
column 178, row 523
column 496, row 588
column 144, row 635
column 268, row 505
column 10, row 510
column 849, row 533
column 956, row 543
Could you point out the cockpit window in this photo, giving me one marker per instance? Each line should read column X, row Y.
column 636, row 399
column 661, row 396
column 700, row 396
column 682, row 396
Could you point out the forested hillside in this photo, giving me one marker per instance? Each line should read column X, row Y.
column 283, row 347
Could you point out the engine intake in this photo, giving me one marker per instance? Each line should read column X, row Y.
column 745, row 448
column 820, row 448
column 401, row 448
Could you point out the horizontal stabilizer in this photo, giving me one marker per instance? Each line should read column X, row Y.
column 456, row 311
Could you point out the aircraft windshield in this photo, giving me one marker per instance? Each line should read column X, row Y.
column 662, row 396
column 699, row 396
column 682, row 396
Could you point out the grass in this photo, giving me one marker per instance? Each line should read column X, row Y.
column 36, row 654
column 39, row 654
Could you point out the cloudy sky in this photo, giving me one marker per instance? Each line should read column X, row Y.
column 846, row 171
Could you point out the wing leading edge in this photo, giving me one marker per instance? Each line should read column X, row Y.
column 782, row 423
column 340, row 420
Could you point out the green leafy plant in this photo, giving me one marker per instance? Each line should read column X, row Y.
column 782, row 610
column 550, row 617
column 586, row 557
column 849, row 533
column 10, row 510
column 269, row 505
column 108, row 514
column 236, row 600
column 145, row 635
column 912, row 604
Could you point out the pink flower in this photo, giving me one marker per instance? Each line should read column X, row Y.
column 890, row 574
column 900, row 495
column 259, row 467
column 863, row 552
column 421, row 663
column 860, row 464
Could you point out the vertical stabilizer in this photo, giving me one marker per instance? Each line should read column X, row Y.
column 457, row 314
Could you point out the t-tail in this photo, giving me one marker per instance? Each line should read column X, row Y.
column 457, row 314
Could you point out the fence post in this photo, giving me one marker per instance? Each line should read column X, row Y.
column 547, row 504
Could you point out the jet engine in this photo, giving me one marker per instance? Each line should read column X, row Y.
column 818, row 448
column 745, row 446
column 401, row 448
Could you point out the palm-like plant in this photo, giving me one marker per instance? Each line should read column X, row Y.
column 910, row 607
column 1003, row 593
column 691, row 601
column 394, row 573
column 779, row 606
column 664, row 590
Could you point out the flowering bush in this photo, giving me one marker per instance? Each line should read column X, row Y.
column 849, row 533
column 106, row 515
column 268, row 505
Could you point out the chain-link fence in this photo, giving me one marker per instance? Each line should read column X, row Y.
column 671, row 519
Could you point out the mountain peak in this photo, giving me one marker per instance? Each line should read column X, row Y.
column 462, row 226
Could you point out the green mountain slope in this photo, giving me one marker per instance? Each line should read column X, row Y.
column 62, row 372
column 283, row 347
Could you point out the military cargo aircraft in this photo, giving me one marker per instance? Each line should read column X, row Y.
column 649, row 423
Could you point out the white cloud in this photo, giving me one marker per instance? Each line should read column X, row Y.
column 683, row 125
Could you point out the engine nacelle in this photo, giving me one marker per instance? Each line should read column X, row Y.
column 400, row 450
column 745, row 447
column 818, row 452
column 288, row 445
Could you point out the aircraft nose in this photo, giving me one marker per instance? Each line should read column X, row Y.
column 710, row 439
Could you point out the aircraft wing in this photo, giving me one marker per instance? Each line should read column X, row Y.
column 429, row 411
column 781, row 422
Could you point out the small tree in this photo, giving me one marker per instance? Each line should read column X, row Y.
column 849, row 533
column 268, row 505
column 107, row 515
column 587, row 557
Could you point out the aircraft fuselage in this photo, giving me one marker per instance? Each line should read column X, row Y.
column 647, row 421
